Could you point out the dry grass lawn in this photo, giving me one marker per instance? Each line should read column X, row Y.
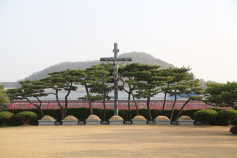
column 117, row 141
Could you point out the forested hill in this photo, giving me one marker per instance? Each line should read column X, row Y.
column 137, row 57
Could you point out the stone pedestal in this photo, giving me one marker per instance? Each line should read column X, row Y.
column 46, row 122
column 70, row 122
column 116, row 120
column 186, row 122
column 139, row 120
column 162, row 122
column 93, row 120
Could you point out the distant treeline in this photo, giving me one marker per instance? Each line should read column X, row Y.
column 10, row 84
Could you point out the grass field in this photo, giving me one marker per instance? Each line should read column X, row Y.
column 117, row 141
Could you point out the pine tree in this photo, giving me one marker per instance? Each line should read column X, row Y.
column 177, row 85
column 94, row 75
column 150, row 82
column 101, row 85
column 193, row 91
column 221, row 94
column 28, row 90
column 3, row 97
column 64, row 80
column 128, row 77
column 167, row 73
column 56, row 82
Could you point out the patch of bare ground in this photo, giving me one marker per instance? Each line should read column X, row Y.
column 117, row 141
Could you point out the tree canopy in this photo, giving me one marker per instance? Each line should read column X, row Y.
column 28, row 90
column 148, row 82
column 96, row 77
column 221, row 94
column 3, row 97
column 63, row 80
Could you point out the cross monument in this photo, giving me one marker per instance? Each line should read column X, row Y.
column 115, row 64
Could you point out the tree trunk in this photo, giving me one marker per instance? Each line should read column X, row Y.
column 26, row 120
column 172, row 112
column 62, row 114
column 148, row 109
column 3, row 122
column 65, row 109
column 89, row 101
column 91, row 110
column 38, row 107
column 41, row 112
column 59, row 104
column 135, row 104
column 163, row 109
column 181, row 109
column 129, row 110
column 104, row 109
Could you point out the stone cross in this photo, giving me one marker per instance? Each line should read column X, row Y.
column 115, row 64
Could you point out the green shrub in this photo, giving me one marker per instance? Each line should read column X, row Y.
column 233, row 130
column 25, row 116
column 4, row 116
column 228, row 115
column 205, row 115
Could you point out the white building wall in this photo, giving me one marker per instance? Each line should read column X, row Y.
column 81, row 92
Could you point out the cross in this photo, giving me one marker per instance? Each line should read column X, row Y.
column 115, row 64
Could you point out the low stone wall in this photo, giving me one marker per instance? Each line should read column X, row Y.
column 46, row 122
column 70, row 122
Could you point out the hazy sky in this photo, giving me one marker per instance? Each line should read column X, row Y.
column 201, row 34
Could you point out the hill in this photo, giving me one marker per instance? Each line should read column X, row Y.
column 137, row 57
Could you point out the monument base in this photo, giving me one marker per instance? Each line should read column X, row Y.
column 139, row 120
column 116, row 120
column 93, row 120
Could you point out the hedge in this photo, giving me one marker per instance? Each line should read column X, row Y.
column 205, row 115
column 25, row 116
column 4, row 116
column 83, row 113
column 228, row 115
